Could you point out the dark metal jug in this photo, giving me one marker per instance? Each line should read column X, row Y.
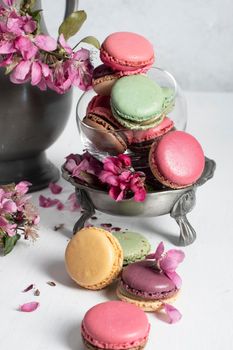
column 30, row 121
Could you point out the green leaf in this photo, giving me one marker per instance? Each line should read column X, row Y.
column 9, row 243
column 10, row 67
column 92, row 41
column 72, row 24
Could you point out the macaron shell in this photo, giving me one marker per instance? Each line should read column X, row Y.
column 98, row 101
column 144, row 277
column 103, row 86
column 129, row 124
column 103, row 135
column 135, row 246
column 127, row 51
column 103, row 79
column 136, row 98
column 115, row 325
column 103, row 130
column 93, row 258
column 145, row 135
column 146, row 305
column 177, row 160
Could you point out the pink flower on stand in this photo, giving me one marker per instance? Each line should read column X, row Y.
column 122, row 178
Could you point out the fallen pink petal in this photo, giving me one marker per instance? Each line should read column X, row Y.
column 60, row 205
column 55, row 188
column 46, row 202
column 29, row 307
column 173, row 314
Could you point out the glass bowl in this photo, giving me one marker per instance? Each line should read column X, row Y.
column 102, row 143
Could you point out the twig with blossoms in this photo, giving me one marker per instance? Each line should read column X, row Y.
column 18, row 217
column 31, row 56
column 114, row 174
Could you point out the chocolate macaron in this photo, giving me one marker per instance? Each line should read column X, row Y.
column 103, row 79
column 103, row 130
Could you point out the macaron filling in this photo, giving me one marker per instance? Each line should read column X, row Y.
column 113, row 346
column 141, row 295
column 102, row 71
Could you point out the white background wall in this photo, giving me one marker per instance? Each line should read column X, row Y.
column 193, row 39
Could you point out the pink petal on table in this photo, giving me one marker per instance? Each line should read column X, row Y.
column 59, row 205
column 173, row 314
column 47, row 202
column 45, row 42
column 55, row 188
column 73, row 205
column 28, row 288
column 29, row 307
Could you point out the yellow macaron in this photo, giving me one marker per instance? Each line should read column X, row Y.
column 94, row 258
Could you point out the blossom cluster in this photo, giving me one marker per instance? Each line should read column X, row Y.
column 17, row 215
column 31, row 56
column 114, row 173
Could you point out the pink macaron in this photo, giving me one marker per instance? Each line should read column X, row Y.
column 177, row 160
column 127, row 52
column 141, row 140
column 115, row 325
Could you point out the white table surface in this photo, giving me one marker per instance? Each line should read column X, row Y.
column 207, row 293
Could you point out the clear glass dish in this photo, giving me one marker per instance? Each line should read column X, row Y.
column 101, row 143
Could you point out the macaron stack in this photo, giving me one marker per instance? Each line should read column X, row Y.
column 129, row 111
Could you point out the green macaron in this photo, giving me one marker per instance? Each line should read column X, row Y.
column 137, row 102
column 135, row 246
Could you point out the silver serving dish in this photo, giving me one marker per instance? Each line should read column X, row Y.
column 177, row 203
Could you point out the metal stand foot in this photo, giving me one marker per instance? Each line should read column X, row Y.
column 182, row 207
column 87, row 207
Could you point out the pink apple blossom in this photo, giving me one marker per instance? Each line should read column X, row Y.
column 117, row 173
column 168, row 262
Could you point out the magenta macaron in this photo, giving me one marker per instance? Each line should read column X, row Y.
column 177, row 160
column 127, row 52
column 115, row 325
column 143, row 285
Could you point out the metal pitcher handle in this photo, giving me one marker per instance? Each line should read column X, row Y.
column 71, row 6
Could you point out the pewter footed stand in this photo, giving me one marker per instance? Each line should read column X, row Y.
column 177, row 203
